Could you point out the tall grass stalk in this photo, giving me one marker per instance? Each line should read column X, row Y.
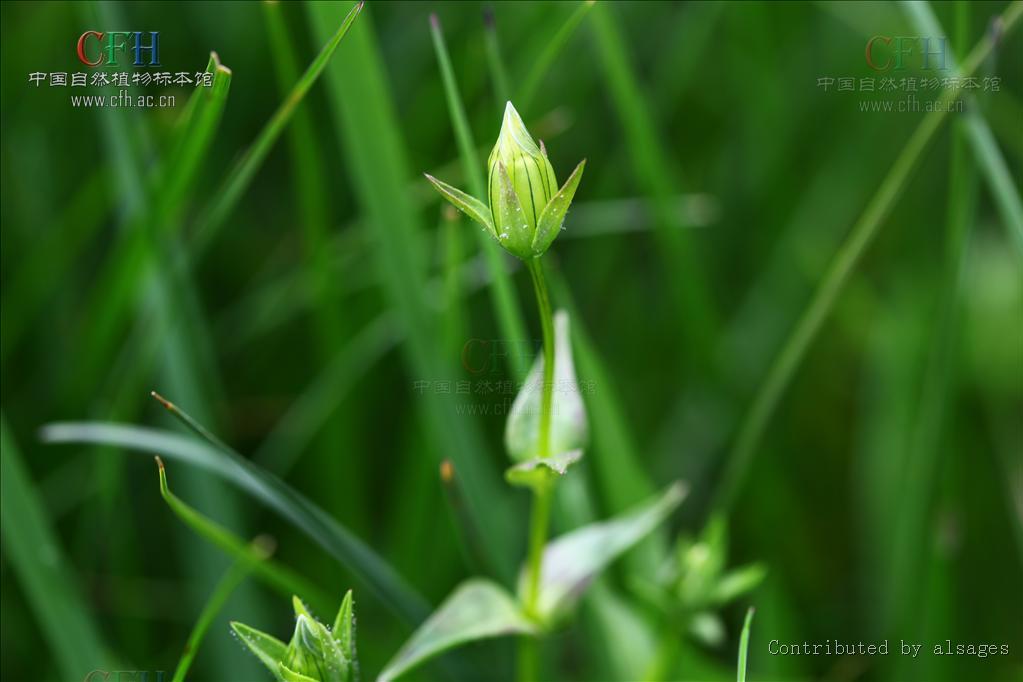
column 241, row 175
column 912, row 552
column 31, row 550
column 781, row 371
column 239, row 570
column 978, row 133
column 684, row 272
column 502, row 295
column 375, row 154
column 543, row 62
column 340, row 476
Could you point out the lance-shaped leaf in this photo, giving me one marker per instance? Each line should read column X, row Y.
column 267, row 648
column 572, row 561
column 553, row 216
column 344, row 631
column 534, row 472
column 744, row 646
column 569, row 430
column 478, row 609
column 466, row 203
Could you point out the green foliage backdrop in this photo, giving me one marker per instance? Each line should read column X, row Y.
column 810, row 312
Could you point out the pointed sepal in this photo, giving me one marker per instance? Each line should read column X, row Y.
column 553, row 216
column 466, row 203
column 267, row 648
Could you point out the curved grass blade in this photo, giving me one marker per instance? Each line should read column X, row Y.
column 31, row 549
column 978, row 133
column 266, row 488
column 130, row 260
column 281, row 578
column 744, row 646
column 260, row 548
column 477, row 609
column 833, row 282
column 241, row 175
column 543, row 63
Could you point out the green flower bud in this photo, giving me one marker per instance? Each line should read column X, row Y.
column 314, row 654
column 526, row 209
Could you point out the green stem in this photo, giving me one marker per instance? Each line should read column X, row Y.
column 232, row 579
column 528, row 654
column 543, row 302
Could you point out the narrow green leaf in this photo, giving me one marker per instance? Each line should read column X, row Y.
column 240, row 569
column 571, row 561
column 469, row 205
column 744, row 646
column 344, row 630
column 375, row 155
column 542, row 64
column 267, row 648
column 321, row 276
column 989, row 157
column 502, row 292
column 534, row 472
column 833, row 282
column 241, row 175
column 477, row 609
column 687, row 284
column 737, row 582
column 279, row 577
column 334, row 538
column 495, row 63
column 553, row 217
column 569, row 427
column 32, row 550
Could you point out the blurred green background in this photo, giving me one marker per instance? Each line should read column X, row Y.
column 722, row 180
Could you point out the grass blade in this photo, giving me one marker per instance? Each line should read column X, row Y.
column 509, row 312
column 40, row 272
column 744, row 646
column 240, row 569
column 341, row 475
column 376, row 160
column 495, row 63
column 130, row 261
column 31, row 548
column 291, row 505
column 849, row 254
column 281, row 578
column 542, row 64
column 241, row 175
column 687, row 284
column 989, row 157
